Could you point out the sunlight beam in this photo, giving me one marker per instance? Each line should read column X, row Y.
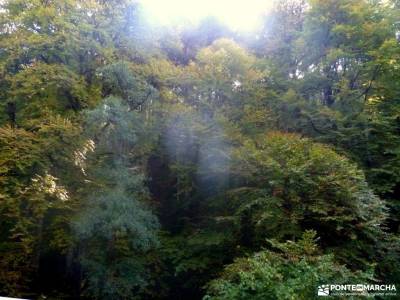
column 238, row 15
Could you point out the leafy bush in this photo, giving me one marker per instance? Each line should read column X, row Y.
column 294, row 272
column 291, row 184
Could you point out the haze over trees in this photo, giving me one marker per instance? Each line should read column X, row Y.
column 145, row 162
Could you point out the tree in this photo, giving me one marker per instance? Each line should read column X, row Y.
column 138, row 160
column 290, row 184
column 114, row 229
column 293, row 271
column 30, row 195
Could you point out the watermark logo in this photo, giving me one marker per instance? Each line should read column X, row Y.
column 357, row 290
column 323, row 290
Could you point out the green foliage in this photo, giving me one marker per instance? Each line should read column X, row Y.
column 26, row 201
column 137, row 161
column 119, row 81
column 49, row 88
column 293, row 184
column 191, row 259
column 114, row 229
column 292, row 273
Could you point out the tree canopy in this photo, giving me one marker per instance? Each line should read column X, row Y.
column 198, row 162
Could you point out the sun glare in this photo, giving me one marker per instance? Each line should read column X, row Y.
column 239, row 15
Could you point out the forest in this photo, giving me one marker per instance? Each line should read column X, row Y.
column 195, row 161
